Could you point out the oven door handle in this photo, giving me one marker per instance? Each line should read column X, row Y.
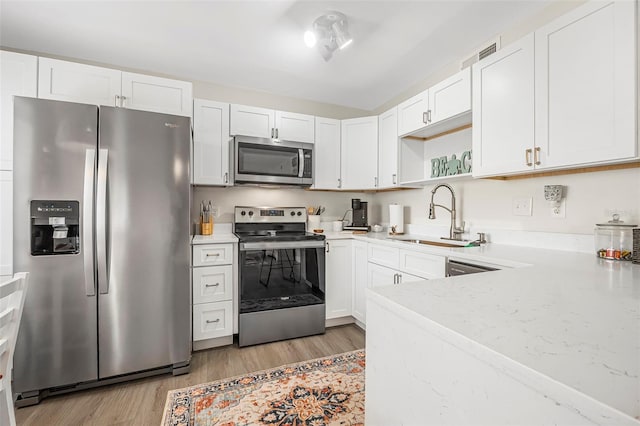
column 273, row 245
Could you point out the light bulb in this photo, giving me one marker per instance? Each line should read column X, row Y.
column 309, row 38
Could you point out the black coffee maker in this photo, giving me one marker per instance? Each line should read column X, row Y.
column 360, row 216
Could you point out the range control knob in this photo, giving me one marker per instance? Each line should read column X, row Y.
column 250, row 212
column 299, row 213
column 293, row 213
column 243, row 213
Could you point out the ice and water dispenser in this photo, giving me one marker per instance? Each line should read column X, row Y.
column 55, row 227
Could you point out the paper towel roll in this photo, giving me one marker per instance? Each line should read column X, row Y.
column 396, row 217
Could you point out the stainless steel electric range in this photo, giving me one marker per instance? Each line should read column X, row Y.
column 281, row 271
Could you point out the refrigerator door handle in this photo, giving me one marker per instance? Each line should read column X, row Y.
column 87, row 221
column 101, row 222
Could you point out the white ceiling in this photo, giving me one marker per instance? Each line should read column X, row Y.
column 258, row 44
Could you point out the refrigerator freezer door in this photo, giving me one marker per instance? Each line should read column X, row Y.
column 144, row 307
column 57, row 342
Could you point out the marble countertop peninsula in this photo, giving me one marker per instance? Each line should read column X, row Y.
column 560, row 317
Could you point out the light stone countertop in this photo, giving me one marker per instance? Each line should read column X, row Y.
column 217, row 237
column 569, row 317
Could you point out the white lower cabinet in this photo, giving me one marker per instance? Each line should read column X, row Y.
column 381, row 276
column 214, row 284
column 359, row 279
column 338, row 279
column 212, row 320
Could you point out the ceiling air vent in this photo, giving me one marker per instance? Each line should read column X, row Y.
column 490, row 48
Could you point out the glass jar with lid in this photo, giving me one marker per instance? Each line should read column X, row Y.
column 614, row 239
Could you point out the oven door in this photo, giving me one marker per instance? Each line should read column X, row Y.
column 279, row 275
column 266, row 161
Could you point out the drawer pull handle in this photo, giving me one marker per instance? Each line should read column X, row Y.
column 212, row 285
column 213, row 254
column 213, row 321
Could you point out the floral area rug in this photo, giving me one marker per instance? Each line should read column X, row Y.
column 323, row 391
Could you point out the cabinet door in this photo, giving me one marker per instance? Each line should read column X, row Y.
column 360, row 279
column 450, row 97
column 360, row 153
column 412, row 113
column 73, row 82
column 6, row 223
column 291, row 126
column 326, row 172
column 156, row 94
column 212, row 284
column 422, row 264
column 384, row 255
column 586, row 85
column 212, row 320
column 338, row 286
column 381, row 275
column 210, row 143
column 388, row 149
column 18, row 77
column 503, row 108
column 252, row 121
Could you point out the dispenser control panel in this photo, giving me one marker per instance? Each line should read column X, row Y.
column 55, row 227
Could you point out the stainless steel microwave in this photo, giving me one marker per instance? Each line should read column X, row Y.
column 262, row 161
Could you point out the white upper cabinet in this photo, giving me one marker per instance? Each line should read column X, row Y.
column 360, row 153
column 412, row 113
column 388, row 148
column 445, row 100
column 210, row 143
column 586, row 85
column 268, row 123
column 503, row 108
column 291, row 126
column 18, row 77
column 156, row 94
column 450, row 97
column 326, row 173
column 252, row 121
column 563, row 96
column 73, row 82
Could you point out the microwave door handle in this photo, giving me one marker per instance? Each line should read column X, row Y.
column 300, row 162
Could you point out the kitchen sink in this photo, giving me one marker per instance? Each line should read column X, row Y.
column 451, row 244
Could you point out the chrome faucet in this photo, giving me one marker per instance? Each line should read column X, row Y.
column 455, row 233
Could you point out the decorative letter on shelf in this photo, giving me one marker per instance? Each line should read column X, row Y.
column 442, row 166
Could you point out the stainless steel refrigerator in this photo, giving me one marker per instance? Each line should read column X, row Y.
column 101, row 223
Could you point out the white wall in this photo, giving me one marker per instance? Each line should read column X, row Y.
column 486, row 203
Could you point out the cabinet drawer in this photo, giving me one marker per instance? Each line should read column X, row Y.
column 212, row 254
column 422, row 264
column 211, row 320
column 212, row 284
column 383, row 255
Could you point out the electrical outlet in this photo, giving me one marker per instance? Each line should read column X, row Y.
column 215, row 211
column 521, row 206
column 559, row 211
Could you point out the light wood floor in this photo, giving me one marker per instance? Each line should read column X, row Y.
column 142, row 402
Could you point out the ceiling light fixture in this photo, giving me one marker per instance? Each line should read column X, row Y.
column 330, row 32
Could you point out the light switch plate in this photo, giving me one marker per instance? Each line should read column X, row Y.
column 522, row 206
